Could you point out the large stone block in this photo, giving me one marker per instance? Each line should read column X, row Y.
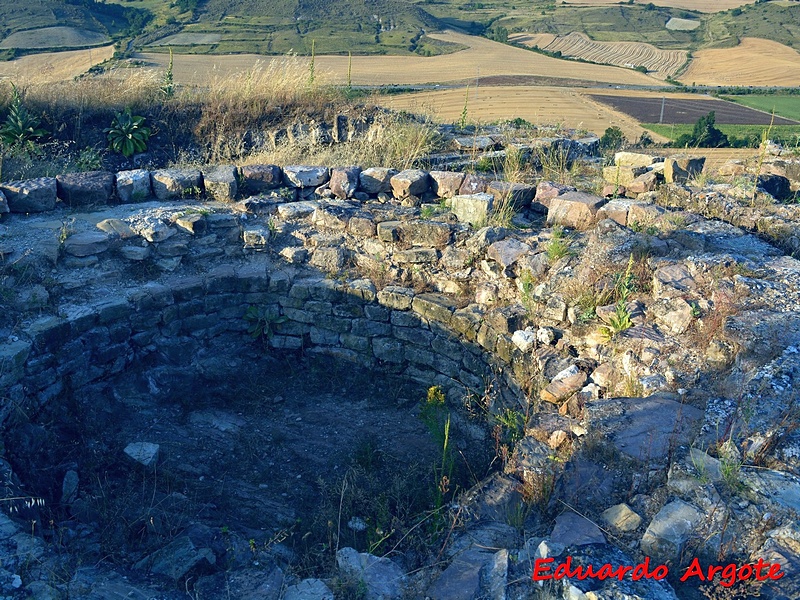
column 169, row 184
column 344, row 181
column 574, row 209
column 376, row 180
column 634, row 159
column 519, row 195
column 133, row 186
column 221, row 183
column 682, row 169
column 446, row 184
column 670, row 529
column 301, row 176
column 619, row 175
column 259, row 178
column 474, row 209
column 82, row 189
column 411, row 182
column 32, row 195
column 425, row 233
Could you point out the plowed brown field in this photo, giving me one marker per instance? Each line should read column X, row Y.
column 753, row 62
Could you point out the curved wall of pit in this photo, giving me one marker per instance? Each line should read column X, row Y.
column 419, row 335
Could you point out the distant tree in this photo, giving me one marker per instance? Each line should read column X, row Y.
column 612, row 140
column 641, row 69
column 705, row 134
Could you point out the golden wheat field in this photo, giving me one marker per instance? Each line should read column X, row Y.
column 753, row 62
column 706, row 6
column 662, row 63
column 541, row 105
column 484, row 58
column 54, row 66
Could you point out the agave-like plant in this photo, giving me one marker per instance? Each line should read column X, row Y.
column 20, row 125
column 128, row 134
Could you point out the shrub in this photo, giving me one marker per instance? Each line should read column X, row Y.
column 128, row 134
column 20, row 125
column 612, row 139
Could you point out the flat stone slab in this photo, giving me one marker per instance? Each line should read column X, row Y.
column 308, row 589
column 300, row 176
column 134, row 186
column 259, row 178
column 573, row 530
column 86, row 243
column 461, row 580
column 32, row 195
column 779, row 487
column 645, row 428
column 144, row 453
column 169, row 184
column 383, row 579
column 574, row 209
column 670, row 529
column 221, row 183
column 83, row 189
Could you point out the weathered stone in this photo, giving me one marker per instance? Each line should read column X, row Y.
column 169, row 184
column 675, row 314
column 3, row 204
column 445, row 184
column 417, row 256
column 362, row 225
column 133, row 186
column 732, row 168
column 396, row 297
column 573, row 530
column 32, row 195
column 301, row 176
column 330, row 260
column 643, row 213
column 461, row 579
column 376, row 179
column 633, row 159
column 83, row 189
column 546, row 191
column 777, row 186
column 473, row 184
column 682, row 169
column 672, row 280
column 616, row 209
column 646, row 182
column 256, row 238
column 344, row 181
column 618, row 175
column 193, row 223
column 330, row 216
column 297, row 210
column 629, row 424
column 389, row 231
column 153, row 229
column 516, row 195
column 621, row 517
column 145, row 453
column 260, row 178
column 434, row 307
column 411, row 182
column 136, row 253
column 425, row 233
column 116, row 228
column 506, row 252
column 383, row 579
column 474, row 209
column 475, row 143
column 178, row 559
column 507, row 319
column 221, row 183
column 308, row 589
column 670, row 529
column 564, row 385
column 524, row 339
column 574, row 209
column 86, row 243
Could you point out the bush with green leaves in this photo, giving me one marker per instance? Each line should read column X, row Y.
column 128, row 134
column 20, row 126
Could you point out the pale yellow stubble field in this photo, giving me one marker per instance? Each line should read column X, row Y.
column 541, row 105
column 49, row 67
column 483, row 58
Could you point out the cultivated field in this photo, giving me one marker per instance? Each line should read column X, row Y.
column 707, row 6
column 753, row 62
column 483, row 58
column 53, row 66
column 539, row 105
column 54, row 37
column 784, row 106
column 662, row 63
column 688, row 111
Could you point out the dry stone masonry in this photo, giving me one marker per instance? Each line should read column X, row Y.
column 650, row 344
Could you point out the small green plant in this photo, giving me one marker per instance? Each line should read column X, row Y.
column 168, row 84
column 559, row 245
column 513, row 423
column 89, row 159
column 262, row 323
column 427, row 212
column 20, row 127
column 436, row 417
column 620, row 321
column 311, row 64
column 462, row 120
column 128, row 134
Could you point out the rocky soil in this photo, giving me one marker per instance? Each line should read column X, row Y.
column 641, row 401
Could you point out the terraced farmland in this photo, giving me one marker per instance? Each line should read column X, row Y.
column 660, row 63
